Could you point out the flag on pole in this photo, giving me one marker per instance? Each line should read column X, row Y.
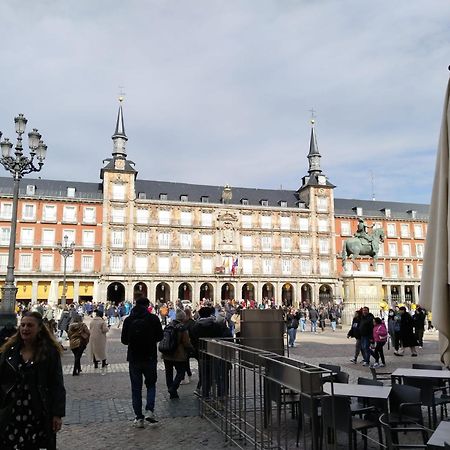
column 234, row 266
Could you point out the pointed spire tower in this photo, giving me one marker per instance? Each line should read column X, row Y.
column 315, row 177
column 119, row 137
column 119, row 161
column 313, row 155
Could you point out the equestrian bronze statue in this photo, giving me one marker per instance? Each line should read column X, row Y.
column 363, row 244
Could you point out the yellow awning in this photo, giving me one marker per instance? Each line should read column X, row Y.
column 86, row 288
column 23, row 290
column 69, row 292
column 43, row 290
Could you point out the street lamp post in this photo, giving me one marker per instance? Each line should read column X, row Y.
column 65, row 250
column 19, row 165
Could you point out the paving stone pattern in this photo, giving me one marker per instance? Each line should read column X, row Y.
column 99, row 413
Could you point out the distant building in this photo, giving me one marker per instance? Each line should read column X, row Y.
column 170, row 241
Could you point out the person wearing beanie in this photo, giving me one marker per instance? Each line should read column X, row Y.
column 178, row 359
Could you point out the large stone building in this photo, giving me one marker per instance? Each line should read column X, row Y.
column 183, row 241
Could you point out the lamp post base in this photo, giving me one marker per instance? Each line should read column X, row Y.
column 6, row 318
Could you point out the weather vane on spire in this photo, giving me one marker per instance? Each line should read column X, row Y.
column 313, row 116
column 121, row 94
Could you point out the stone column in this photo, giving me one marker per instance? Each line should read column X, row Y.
column 34, row 291
column 173, row 292
column 98, row 291
column 195, row 292
column 128, row 290
column 416, row 294
column 297, row 293
column 53, row 292
column 402, row 293
column 76, row 291
column 278, row 292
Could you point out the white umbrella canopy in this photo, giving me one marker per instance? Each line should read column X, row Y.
column 435, row 282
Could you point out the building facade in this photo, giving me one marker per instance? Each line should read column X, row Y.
column 48, row 211
column 174, row 241
column 400, row 258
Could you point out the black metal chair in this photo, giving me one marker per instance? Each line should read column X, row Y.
column 310, row 407
column 331, row 367
column 440, row 385
column 341, row 377
column 380, row 376
column 372, row 406
column 395, row 434
column 428, row 397
column 337, row 418
column 406, row 408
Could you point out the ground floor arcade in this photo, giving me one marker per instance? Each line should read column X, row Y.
column 194, row 290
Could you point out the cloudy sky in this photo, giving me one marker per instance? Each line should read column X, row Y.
column 219, row 91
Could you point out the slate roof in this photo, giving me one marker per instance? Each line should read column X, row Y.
column 53, row 188
column 195, row 192
column 373, row 208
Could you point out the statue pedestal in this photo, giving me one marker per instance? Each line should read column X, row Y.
column 361, row 289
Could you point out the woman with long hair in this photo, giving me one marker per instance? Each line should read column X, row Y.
column 32, row 393
column 79, row 338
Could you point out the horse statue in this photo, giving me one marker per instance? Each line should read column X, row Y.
column 360, row 245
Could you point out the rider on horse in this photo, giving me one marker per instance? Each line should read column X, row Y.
column 361, row 231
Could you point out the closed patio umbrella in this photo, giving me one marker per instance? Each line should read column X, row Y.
column 435, row 283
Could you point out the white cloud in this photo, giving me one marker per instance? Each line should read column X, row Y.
column 219, row 91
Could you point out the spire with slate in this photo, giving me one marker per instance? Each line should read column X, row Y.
column 119, row 137
column 313, row 155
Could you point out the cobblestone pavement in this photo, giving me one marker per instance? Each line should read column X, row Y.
column 99, row 413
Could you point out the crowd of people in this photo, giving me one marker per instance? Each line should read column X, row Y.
column 30, row 360
column 397, row 325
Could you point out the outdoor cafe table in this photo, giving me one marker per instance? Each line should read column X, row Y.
column 358, row 390
column 440, row 436
column 398, row 374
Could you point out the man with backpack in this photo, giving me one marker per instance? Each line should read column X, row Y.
column 141, row 331
column 175, row 348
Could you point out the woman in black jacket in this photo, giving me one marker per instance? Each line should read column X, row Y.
column 32, row 394
column 354, row 333
column 407, row 337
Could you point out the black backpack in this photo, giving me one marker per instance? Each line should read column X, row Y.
column 139, row 333
column 169, row 342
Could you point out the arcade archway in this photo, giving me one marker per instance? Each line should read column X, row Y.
column 306, row 294
column 268, row 291
column 206, row 292
column 139, row 290
column 115, row 293
column 162, row 293
column 185, row 292
column 248, row 292
column 325, row 294
column 287, row 294
column 227, row 292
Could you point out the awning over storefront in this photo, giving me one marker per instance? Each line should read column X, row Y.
column 69, row 292
column 86, row 288
column 43, row 290
column 24, row 290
